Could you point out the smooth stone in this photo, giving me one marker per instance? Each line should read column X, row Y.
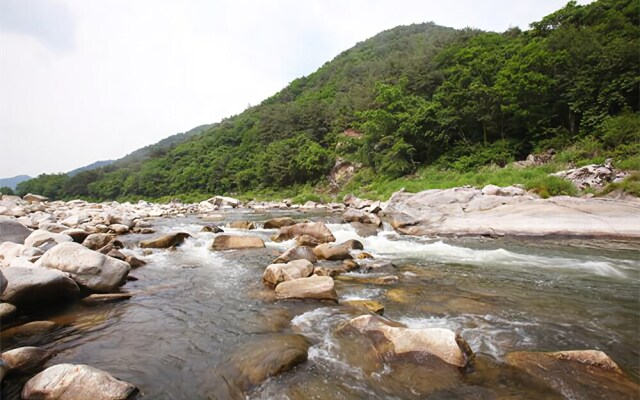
column 106, row 297
column 34, row 198
column 276, row 273
column 398, row 343
column 327, row 251
column 369, row 305
column 74, row 382
column 9, row 251
column 317, row 230
column 227, row 242
column 12, row 231
column 332, row 271
column 307, row 241
column 7, row 311
column 87, row 267
column 23, row 359
column 365, row 230
column 354, row 215
column 242, row 225
column 165, row 241
column 578, row 374
column 212, row 228
column 119, row 229
column 314, row 287
column 297, row 253
column 52, row 227
column 29, row 329
column 96, row 241
column 78, row 235
column 46, row 240
column 277, row 223
column 36, row 285
column 135, row 262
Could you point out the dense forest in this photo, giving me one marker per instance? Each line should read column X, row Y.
column 411, row 97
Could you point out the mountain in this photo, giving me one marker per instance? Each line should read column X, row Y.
column 89, row 167
column 13, row 182
column 408, row 98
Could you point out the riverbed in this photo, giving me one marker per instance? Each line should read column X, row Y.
column 194, row 310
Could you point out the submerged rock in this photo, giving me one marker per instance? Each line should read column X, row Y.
column 212, row 229
column 227, row 242
column 165, row 241
column 87, row 267
column 395, row 342
column 73, row 382
column 276, row 273
column 580, row 374
column 314, row 287
column 317, row 230
column 369, row 305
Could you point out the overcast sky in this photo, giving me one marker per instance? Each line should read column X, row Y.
column 82, row 81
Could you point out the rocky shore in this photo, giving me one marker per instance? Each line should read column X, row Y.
column 56, row 252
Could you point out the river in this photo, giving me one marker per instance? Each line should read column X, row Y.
column 194, row 310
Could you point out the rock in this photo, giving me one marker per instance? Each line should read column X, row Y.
column 211, row 228
column 87, row 267
column 106, row 297
column 277, row 223
column 354, row 215
column 242, row 225
column 227, row 242
column 594, row 176
column 7, row 311
column 12, row 231
column 213, row 217
column 52, row 227
column 317, row 230
column 165, row 241
column 369, row 265
column 369, row 305
column 374, row 280
column 29, row 329
column 221, row 201
column 490, row 190
column 46, row 240
column 581, row 374
column 71, row 221
column 263, row 357
column 37, row 286
column 328, row 251
column 119, row 229
column 78, row 235
column 34, row 198
column 3, row 283
column 72, row 382
column 396, row 342
column 22, row 359
column 307, row 240
column 135, row 262
column 276, row 273
column 297, row 253
column 332, row 271
column 10, row 251
column 117, row 254
column 449, row 213
column 365, row 230
column 314, row 287
column 96, row 241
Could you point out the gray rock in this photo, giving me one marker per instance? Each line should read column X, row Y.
column 72, row 382
column 37, row 285
column 297, row 253
column 46, row 240
column 87, row 267
column 96, row 241
column 12, row 231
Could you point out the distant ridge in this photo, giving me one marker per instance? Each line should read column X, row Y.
column 91, row 166
column 13, row 182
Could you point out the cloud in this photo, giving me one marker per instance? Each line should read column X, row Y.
column 48, row 21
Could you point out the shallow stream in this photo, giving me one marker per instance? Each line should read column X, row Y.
column 195, row 309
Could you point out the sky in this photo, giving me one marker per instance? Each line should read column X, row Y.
column 82, row 81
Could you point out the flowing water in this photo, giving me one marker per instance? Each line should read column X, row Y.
column 194, row 310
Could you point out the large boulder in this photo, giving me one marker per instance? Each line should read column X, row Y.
column 222, row 201
column 354, row 215
column 396, row 342
column 242, row 225
column 37, row 285
column 45, row 240
column 297, row 253
column 165, row 241
column 317, row 230
column 277, row 223
column 34, row 198
column 12, row 231
column 340, row 251
column 314, row 287
column 72, row 382
column 96, row 241
column 276, row 273
column 22, row 359
column 580, row 374
column 228, row 242
column 87, row 267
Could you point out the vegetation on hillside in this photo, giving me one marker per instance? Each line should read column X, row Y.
column 422, row 101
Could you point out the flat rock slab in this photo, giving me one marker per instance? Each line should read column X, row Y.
column 467, row 212
column 227, row 242
column 315, row 287
column 582, row 374
column 73, row 382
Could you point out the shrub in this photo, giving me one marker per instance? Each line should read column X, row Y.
column 552, row 186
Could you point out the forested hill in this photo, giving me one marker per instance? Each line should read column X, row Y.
column 407, row 98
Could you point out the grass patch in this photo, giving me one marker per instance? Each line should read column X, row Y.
column 630, row 185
